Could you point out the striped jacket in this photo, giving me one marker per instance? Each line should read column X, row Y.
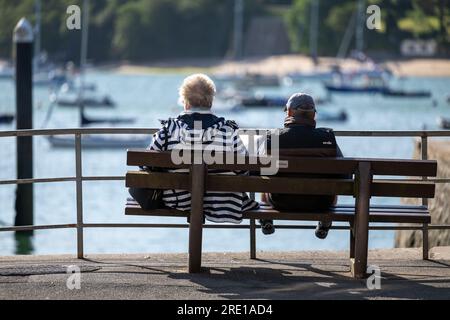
column 199, row 131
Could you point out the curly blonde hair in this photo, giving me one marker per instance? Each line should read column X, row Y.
column 197, row 90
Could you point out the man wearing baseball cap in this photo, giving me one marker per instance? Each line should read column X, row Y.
column 301, row 138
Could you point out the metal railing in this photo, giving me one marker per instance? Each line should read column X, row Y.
column 79, row 179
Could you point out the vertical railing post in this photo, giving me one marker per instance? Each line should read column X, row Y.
column 425, row 243
column 79, row 193
column 252, row 233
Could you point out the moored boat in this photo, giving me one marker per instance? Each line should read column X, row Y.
column 69, row 96
column 99, row 102
column 443, row 122
column 6, row 72
column 339, row 116
column 85, row 121
column 406, row 94
column 6, row 118
column 384, row 90
column 258, row 101
column 101, row 141
column 347, row 88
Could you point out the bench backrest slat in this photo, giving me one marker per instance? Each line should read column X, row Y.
column 274, row 184
column 157, row 180
column 392, row 167
column 403, row 189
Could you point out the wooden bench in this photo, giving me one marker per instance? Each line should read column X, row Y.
column 362, row 186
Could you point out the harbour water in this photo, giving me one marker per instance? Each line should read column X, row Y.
column 153, row 97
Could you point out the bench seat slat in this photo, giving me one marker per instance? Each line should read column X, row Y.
column 136, row 210
column 340, row 208
column 341, row 216
column 387, row 214
column 352, row 210
column 373, row 208
column 383, row 206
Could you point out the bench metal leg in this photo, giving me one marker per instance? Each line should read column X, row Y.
column 252, row 239
column 359, row 263
column 352, row 240
column 196, row 222
column 425, row 245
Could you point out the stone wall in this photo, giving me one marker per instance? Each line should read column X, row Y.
column 439, row 206
column 266, row 36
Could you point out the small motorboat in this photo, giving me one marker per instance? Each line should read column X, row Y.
column 347, row 88
column 6, row 118
column 373, row 72
column 263, row 102
column 85, row 121
column 99, row 102
column 444, row 123
column 374, row 83
column 75, row 86
column 357, row 82
column 322, row 115
column 246, row 81
column 73, row 99
column 101, row 141
column 259, row 101
column 406, row 94
column 298, row 77
column 252, row 80
column 339, row 116
column 70, row 95
column 51, row 78
column 384, row 90
column 6, row 72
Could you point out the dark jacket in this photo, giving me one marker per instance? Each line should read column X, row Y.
column 305, row 140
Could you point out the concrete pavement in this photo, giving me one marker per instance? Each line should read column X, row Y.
column 292, row 275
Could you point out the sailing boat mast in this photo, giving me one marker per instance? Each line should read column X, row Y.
column 360, row 26
column 238, row 28
column 37, row 30
column 84, row 36
column 314, row 29
column 355, row 28
column 83, row 52
column 348, row 35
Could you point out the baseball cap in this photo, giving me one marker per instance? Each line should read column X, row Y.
column 301, row 101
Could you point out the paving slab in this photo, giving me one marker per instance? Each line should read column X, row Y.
column 274, row 275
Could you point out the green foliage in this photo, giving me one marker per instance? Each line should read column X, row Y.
column 142, row 30
column 9, row 11
column 133, row 29
column 400, row 19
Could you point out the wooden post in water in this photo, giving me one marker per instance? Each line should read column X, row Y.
column 23, row 41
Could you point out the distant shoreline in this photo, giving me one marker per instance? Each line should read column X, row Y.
column 276, row 65
column 282, row 65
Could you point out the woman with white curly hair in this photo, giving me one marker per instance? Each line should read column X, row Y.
column 198, row 126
